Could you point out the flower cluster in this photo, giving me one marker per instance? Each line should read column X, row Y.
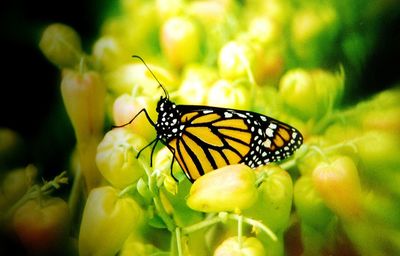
column 333, row 197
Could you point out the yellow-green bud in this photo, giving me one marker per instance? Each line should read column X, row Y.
column 61, row 45
column 274, row 202
column 339, row 186
column 229, row 188
column 264, row 29
column 311, row 94
column 116, row 157
column 134, row 246
column 249, row 246
column 180, row 41
column 107, row 52
column 225, row 94
column 11, row 147
column 83, row 95
column 309, row 205
column 195, row 84
column 108, row 219
column 235, row 60
column 15, row 184
column 125, row 107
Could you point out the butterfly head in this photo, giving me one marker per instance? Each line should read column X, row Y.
column 168, row 125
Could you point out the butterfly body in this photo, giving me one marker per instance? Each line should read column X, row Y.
column 204, row 138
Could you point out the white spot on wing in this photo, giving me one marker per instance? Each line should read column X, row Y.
column 269, row 132
column 267, row 143
column 228, row 115
column 241, row 115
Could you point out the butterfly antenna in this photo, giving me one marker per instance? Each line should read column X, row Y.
column 151, row 72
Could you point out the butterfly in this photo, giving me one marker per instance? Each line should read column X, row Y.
column 205, row 138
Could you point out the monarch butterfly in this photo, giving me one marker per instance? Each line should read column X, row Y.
column 205, row 138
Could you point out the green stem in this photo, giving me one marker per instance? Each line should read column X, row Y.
column 254, row 223
column 127, row 190
column 232, row 216
column 240, row 231
column 201, row 225
column 288, row 164
column 76, row 191
column 178, row 241
column 334, row 147
column 35, row 191
column 163, row 214
column 156, row 199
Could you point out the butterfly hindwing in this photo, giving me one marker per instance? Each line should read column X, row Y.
column 272, row 140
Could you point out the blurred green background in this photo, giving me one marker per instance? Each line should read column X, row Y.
column 30, row 98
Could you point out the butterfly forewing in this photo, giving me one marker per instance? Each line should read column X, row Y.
column 211, row 138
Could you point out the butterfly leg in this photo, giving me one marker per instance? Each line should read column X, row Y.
column 172, row 162
column 155, row 140
column 142, row 110
column 152, row 151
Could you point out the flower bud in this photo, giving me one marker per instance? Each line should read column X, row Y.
column 42, row 225
column 195, row 84
column 83, row 96
column 143, row 189
column 108, row 53
column 379, row 150
column 311, row 94
column 264, row 29
column 116, row 157
column 236, row 59
column 379, row 158
column 249, row 246
column 134, row 246
column 313, row 32
column 297, row 89
column 126, row 107
column 339, row 186
column 385, row 121
column 225, row 94
column 11, row 148
column 14, row 185
column 180, row 41
column 61, row 45
column 169, row 9
column 210, row 12
column 274, row 202
column 108, row 219
column 228, row 188
column 162, row 163
column 309, row 205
